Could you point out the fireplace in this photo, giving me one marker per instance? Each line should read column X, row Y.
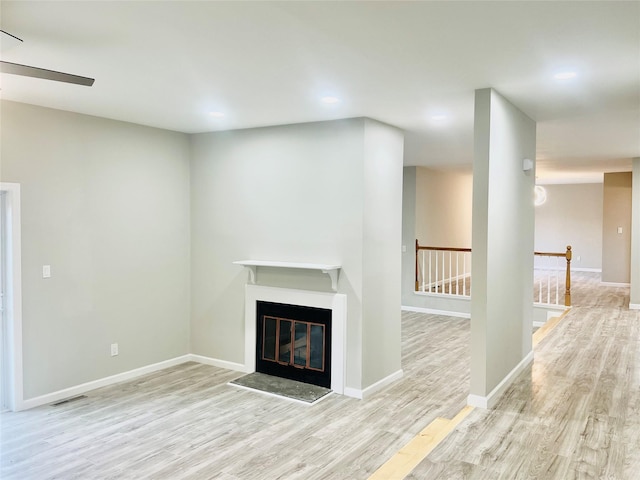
column 334, row 339
column 294, row 342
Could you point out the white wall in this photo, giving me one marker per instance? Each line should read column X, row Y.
column 635, row 236
column 503, row 232
column 305, row 193
column 106, row 204
column 572, row 215
column 443, row 208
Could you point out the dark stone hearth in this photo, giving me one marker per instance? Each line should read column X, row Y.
column 283, row 387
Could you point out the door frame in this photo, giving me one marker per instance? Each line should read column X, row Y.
column 13, row 297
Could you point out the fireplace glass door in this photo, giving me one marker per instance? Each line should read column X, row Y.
column 294, row 342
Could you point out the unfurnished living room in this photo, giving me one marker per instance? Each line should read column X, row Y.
column 320, row 240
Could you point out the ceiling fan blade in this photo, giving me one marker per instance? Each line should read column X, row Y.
column 27, row 71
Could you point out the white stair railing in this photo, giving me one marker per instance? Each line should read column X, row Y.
column 443, row 270
column 447, row 271
column 552, row 278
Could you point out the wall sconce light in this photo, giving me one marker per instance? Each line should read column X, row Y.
column 540, row 195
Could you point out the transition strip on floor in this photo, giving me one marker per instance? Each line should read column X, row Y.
column 544, row 330
column 409, row 456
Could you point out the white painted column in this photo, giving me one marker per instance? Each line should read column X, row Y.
column 381, row 256
column 503, row 244
column 634, row 301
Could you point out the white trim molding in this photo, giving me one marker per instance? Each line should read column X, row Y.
column 371, row 389
column 614, row 284
column 13, row 303
column 128, row 375
column 634, row 306
column 490, row 400
column 214, row 362
column 102, row 382
column 563, row 268
column 433, row 311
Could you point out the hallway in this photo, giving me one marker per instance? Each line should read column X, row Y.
column 575, row 413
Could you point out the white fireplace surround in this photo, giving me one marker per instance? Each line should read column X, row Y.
column 336, row 302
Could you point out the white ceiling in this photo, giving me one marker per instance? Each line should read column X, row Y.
column 168, row 64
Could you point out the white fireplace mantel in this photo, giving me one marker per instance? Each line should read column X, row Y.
column 332, row 270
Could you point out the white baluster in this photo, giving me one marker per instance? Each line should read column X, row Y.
column 557, row 282
column 457, row 272
column 549, row 280
column 450, row 279
column 464, row 272
column 429, row 270
column 422, row 276
column 443, row 277
column 540, row 287
column 436, row 271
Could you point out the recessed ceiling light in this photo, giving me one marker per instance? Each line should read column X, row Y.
column 330, row 100
column 565, row 75
column 216, row 114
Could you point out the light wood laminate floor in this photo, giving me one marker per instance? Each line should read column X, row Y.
column 574, row 414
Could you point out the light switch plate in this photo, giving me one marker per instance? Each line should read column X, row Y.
column 46, row 271
column 619, row 229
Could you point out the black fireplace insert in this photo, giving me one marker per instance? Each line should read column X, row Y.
column 294, row 342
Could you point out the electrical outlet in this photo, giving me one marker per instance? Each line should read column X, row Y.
column 114, row 349
column 578, row 258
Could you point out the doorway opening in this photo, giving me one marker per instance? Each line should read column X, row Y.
column 10, row 299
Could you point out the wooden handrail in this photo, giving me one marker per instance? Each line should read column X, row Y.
column 567, row 254
column 444, row 249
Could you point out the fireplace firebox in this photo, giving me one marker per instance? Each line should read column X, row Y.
column 294, row 342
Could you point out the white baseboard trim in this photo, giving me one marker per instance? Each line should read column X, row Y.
column 538, row 324
column 371, row 389
column 102, row 382
column 214, row 362
column 634, row 306
column 563, row 268
column 614, row 284
column 490, row 400
column 434, row 311
column 124, row 376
